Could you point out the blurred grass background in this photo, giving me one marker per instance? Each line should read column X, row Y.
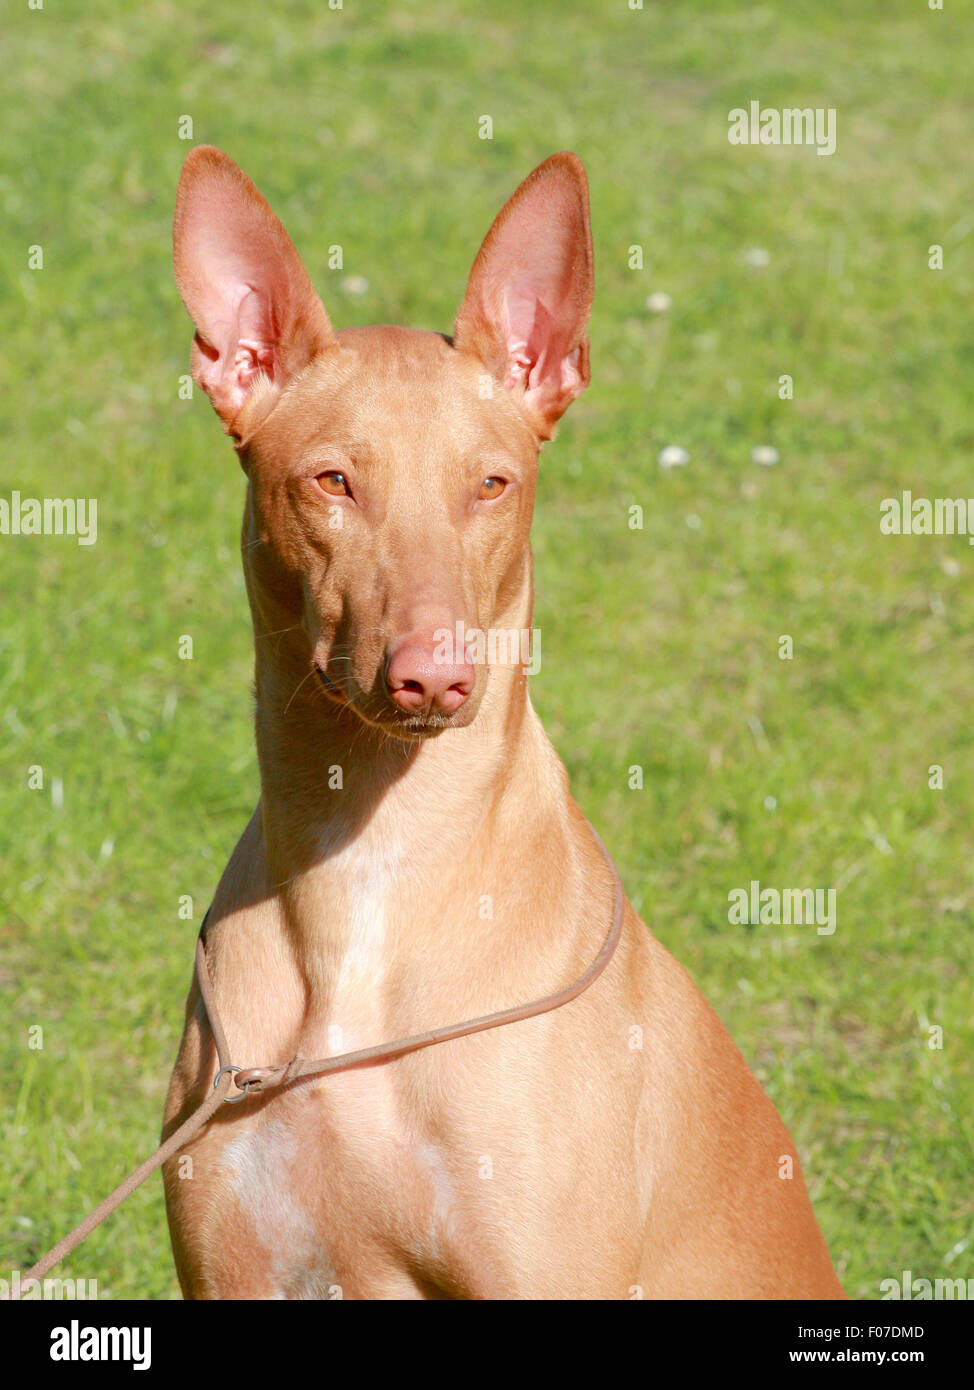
column 660, row 645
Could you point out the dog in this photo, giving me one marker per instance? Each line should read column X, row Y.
column 416, row 856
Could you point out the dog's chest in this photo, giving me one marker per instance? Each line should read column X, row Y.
column 340, row 1191
column 342, row 1171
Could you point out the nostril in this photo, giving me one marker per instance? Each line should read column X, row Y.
column 450, row 700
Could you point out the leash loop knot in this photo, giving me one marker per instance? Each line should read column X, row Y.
column 232, row 1100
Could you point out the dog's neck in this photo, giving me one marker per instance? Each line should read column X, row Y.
column 331, row 782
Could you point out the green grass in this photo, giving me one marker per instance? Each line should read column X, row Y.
column 660, row 645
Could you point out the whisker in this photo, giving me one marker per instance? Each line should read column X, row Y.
column 279, row 632
column 297, row 688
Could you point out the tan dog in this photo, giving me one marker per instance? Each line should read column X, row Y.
column 415, row 857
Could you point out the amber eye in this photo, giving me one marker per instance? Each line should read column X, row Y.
column 334, row 484
column 491, row 488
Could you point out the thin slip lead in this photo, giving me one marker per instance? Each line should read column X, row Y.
column 260, row 1079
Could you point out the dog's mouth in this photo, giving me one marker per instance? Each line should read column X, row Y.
column 404, row 726
column 329, row 686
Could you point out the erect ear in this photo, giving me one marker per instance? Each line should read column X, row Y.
column 530, row 292
column 258, row 320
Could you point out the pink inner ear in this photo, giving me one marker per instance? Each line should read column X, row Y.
column 537, row 346
column 536, row 342
column 250, row 299
column 252, row 342
column 530, row 292
column 528, row 325
column 238, row 310
column 242, row 346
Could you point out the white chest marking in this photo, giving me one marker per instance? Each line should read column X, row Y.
column 368, row 879
column 260, row 1164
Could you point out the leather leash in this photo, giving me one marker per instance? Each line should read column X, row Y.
column 259, row 1079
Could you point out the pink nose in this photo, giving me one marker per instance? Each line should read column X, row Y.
column 419, row 683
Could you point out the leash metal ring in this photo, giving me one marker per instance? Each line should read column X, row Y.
column 231, row 1100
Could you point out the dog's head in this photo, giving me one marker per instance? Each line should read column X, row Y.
column 391, row 471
